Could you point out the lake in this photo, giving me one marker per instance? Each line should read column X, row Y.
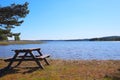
column 73, row 50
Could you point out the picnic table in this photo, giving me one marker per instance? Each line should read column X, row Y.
column 27, row 55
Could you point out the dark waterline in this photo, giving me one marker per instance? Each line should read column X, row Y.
column 75, row 50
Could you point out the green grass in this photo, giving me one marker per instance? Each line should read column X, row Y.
column 65, row 70
column 20, row 42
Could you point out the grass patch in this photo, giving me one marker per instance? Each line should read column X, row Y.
column 65, row 70
column 20, row 42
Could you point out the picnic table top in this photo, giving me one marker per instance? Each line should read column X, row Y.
column 28, row 49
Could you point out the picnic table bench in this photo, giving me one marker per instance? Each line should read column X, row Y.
column 27, row 55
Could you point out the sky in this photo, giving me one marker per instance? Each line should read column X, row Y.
column 68, row 19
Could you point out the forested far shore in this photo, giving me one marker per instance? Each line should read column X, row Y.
column 107, row 38
column 10, row 42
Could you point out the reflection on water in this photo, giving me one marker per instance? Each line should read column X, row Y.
column 71, row 50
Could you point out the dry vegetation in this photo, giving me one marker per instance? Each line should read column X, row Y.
column 19, row 42
column 65, row 70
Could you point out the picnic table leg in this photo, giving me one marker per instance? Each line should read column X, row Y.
column 21, row 60
column 11, row 62
column 46, row 61
column 39, row 52
column 44, row 58
column 38, row 63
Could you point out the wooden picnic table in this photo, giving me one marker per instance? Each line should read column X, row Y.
column 27, row 55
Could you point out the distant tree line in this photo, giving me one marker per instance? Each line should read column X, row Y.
column 108, row 38
column 112, row 38
column 10, row 17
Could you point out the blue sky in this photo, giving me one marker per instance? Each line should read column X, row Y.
column 69, row 19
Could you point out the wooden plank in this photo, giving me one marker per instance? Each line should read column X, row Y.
column 36, row 56
column 27, row 58
column 8, row 59
column 26, row 50
column 43, row 56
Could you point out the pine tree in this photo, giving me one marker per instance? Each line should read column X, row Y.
column 10, row 17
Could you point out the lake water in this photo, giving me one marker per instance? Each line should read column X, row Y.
column 86, row 50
